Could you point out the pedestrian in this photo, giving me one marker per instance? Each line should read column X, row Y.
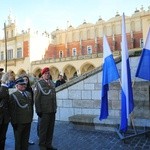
column 1, row 73
column 21, row 107
column 11, row 82
column 38, row 123
column 60, row 80
column 29, row 89
column 65, row 77
column 45, row 104
column 4, row 109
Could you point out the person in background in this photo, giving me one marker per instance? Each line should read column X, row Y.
column 75, row 74
column 11, row 82
column 29, row 89
column 65, row 77
column 1, row 73
column 60, row 81
column 4, row 109
column 21, row 108
column 38, row 123
column 45, row 104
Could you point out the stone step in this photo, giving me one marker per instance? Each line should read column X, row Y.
column 111, row 123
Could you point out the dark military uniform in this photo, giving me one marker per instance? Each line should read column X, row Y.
column 45, row 104
column 21, row 107
column 4, row 114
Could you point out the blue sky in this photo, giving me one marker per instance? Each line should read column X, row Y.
column 50, row 14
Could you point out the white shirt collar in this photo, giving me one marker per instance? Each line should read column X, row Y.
column 3, row 84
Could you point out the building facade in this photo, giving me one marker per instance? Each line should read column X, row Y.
column 19, row 49
column 73, row 51
column 79, row 50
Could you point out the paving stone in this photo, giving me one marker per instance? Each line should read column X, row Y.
column 66, row 137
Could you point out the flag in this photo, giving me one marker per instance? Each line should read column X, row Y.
column 127, row 103
column 143, row 70
column 110, row 73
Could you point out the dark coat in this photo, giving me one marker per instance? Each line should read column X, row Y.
column 4, row 105
column 60, row 82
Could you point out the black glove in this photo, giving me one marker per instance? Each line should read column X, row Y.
column 15, row 126
column 39, row 114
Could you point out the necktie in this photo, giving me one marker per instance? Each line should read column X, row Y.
column 23, row 94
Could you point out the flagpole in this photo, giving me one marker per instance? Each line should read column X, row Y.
column 142, row 72
column 5, row 47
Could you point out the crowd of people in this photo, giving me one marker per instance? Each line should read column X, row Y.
column 16, row 108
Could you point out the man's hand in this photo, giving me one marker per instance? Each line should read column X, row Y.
column 15, row 126
column 39, row 114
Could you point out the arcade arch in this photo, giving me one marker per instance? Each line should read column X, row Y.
column 37, row 72
column 69, row 71
column 86, row 67
column 54, row 73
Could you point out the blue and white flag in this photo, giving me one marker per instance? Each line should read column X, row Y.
column 143, row 70
column 110, row 73
column 127, row 103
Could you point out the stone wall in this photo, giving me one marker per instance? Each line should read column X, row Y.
column 82, row 96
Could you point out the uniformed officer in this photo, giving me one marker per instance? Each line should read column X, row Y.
column 4, row 109
column 21, row 106
column 45, row 104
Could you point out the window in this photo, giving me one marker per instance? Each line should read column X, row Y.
column 141, row 43
column 89, row 50
column 10, row 54
column 74, row 52
column 2, row 55
column 60, row 54
column 19, row 52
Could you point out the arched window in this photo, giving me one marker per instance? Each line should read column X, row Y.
column 74, row 52
column 10, row 54
column 60, row 54
column 89, row 49
column 19, row 52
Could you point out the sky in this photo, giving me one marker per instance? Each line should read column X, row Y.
column 49, row 15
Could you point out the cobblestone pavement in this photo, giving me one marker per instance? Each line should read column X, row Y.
column 67, row 137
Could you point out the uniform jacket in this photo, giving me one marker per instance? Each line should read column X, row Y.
column 4, row 105
column 45, row 97
column 21, row 107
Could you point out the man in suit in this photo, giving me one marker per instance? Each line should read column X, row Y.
column 4, row 109
column 45, row 104
column 21, row 107
column 1, row 73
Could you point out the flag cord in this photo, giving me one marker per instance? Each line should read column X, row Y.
column 132, row 122
column 120, row 82
column 133, row 82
